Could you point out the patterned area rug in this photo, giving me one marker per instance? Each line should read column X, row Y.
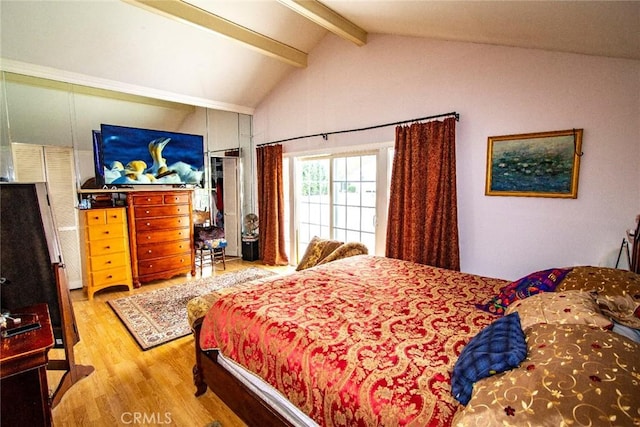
column 159, row 316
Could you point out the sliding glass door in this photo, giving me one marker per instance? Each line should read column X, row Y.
column 339, row 197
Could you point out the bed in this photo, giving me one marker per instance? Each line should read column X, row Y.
column 375, row 341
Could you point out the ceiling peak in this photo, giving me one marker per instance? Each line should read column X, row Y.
column 329, row 19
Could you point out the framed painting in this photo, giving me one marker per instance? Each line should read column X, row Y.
column 544, row 164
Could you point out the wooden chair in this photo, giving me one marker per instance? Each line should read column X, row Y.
column 209, row 241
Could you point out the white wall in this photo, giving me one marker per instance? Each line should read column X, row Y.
column 497, row 91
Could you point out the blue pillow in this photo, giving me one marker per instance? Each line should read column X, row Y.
column 497, row 348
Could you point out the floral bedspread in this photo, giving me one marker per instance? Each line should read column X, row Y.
column 361, row 341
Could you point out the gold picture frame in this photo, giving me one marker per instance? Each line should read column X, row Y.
column 544, row 164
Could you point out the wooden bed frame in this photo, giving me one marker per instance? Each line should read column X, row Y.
column 207, row 372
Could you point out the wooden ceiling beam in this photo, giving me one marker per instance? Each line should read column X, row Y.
column 185, row 12
column 327, row 18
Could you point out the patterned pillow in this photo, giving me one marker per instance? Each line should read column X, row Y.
column 344, row 251
column 602, row 279
column 569, row 307
column 534, row 283
column 624, row 309
column 618, row 291
column 316, row 251
column 574, row 375
column 498, row 347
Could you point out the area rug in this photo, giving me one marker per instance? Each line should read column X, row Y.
column 159, row 316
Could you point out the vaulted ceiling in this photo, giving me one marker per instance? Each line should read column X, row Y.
column 229, row 54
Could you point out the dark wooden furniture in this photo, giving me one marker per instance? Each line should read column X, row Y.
column 23, row 369
column 160, row 234
column 73, row 372
column 238, row 397
column 33, row 273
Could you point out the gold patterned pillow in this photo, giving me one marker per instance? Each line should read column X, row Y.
column 624, row 309
column 569, row 307
column 316, row 251
column 346, row 250
column 574, row 375
column 198, row 307
column 601, row 279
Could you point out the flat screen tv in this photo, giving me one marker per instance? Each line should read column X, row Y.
column 128, row 156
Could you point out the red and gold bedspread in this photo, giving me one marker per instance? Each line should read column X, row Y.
column 361, row 341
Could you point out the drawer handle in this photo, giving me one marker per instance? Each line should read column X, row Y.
column 149, row 251
column 150, row 265
column 108, row 262
column 110, row 277
column 146, row 212
column 148, row 237
column 114, row 216
column 96, row 217
column 106, row 232
column 148, row 224
column 107, row 247
column 148, row 199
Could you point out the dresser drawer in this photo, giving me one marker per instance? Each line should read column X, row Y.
column 146, row 237
column 96, row 217
column 113, row 276
column 148, row 199
column 163, row 249
column 163, row 210
column 150, row 224
column 116, row 216
column 164, row 264
column 107, row 246
column 99, row 232
column 114, row 260
column 175, row 199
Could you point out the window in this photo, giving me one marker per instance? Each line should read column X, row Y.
column 354, row 199
column 341, row 197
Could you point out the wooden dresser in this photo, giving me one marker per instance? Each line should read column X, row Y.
column 160, row 234
column 105, row 257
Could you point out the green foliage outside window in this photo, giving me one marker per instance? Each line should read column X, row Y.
column 314, row 179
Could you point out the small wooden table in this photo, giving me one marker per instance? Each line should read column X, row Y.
column 23, row 371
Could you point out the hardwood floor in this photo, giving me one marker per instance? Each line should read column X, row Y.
column 130, row 386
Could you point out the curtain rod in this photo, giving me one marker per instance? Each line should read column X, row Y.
column 325, row 135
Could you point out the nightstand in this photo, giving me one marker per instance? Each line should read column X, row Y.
column 23, row 368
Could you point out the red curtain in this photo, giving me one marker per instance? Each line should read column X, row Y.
column 271, row 205
column 423, row 219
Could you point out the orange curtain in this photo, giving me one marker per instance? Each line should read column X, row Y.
column 271, row 205
column 423, row 219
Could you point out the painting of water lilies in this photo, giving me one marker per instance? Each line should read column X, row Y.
column 542, row 164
